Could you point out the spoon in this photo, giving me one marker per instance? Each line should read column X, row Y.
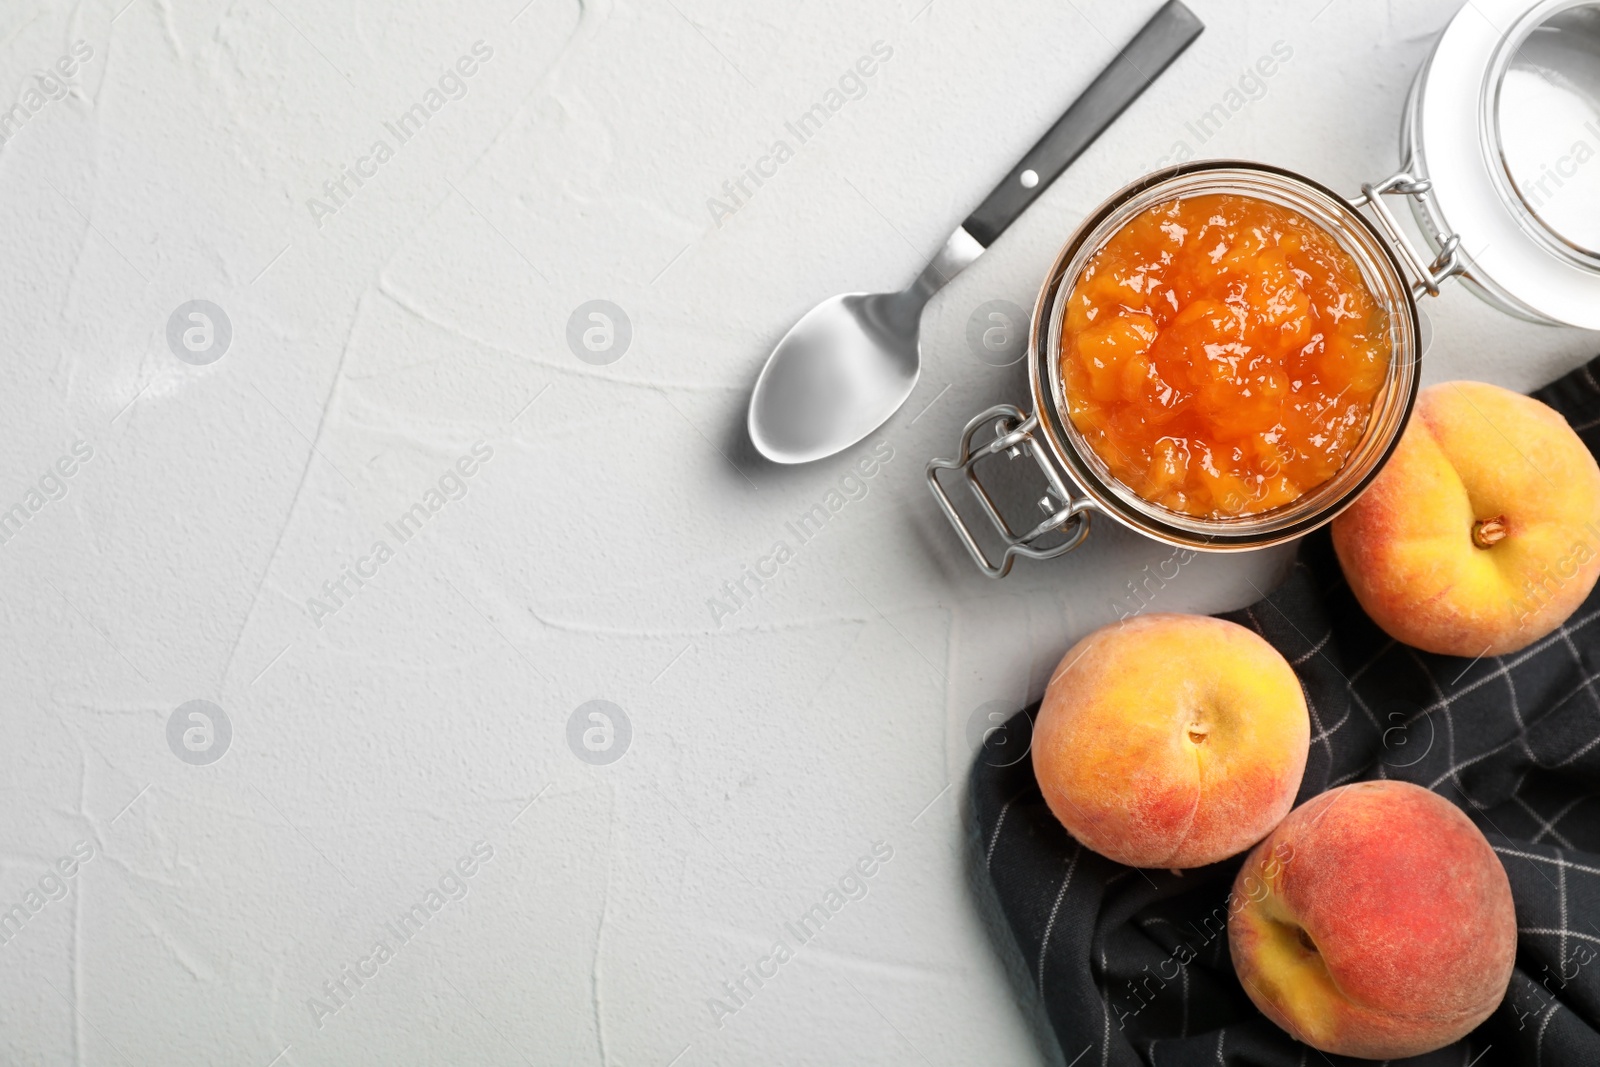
column 852, row 360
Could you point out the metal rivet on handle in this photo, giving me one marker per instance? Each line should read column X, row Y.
column 1030, row 178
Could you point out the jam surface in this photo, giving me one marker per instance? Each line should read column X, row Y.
column 1221, row 354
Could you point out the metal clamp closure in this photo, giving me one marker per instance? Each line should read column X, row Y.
column 1068, row 516
column 1429, row 276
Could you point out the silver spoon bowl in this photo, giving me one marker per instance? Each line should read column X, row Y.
column 847, row 365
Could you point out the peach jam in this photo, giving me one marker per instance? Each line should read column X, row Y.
column 1221, row 354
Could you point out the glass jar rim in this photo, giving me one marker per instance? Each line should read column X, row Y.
column 1384, row 276
column 1523, row 203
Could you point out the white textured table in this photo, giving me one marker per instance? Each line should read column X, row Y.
column 395, row 767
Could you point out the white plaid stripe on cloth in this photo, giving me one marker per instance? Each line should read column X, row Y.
column 1132, row 966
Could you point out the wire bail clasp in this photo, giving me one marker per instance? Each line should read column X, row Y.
column 1447, row 264
column 1066, row 515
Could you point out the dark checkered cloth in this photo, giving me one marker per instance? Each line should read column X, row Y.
column 1514, row 741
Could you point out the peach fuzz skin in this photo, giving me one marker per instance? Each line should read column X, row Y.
column 1387, row 932
column 1482, row 532
column 1171, row 740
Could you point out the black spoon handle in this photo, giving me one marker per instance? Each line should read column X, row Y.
column 1152, row 50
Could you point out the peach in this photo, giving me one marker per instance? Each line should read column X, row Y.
column 1171, row 740
column 1375, row 921
column 1480, row 534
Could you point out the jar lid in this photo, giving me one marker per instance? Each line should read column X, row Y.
column 1504, row 120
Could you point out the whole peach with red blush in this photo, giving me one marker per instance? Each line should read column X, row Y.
column 1171, row 740
column 1482, row 532
column 1375, row 921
